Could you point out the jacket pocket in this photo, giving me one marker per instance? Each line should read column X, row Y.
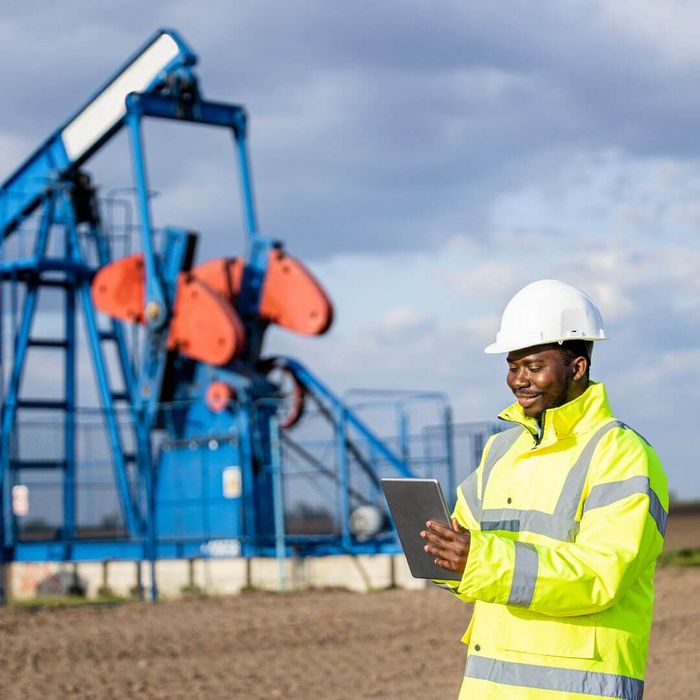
column 546, row 637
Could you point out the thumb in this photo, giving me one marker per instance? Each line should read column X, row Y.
column 456, row 526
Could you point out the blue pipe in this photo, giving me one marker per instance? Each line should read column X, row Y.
column 245, row 431
column 309, row 380
column 154, row 303
column 343, row 475
column 69, row 484
column 278, row 501
column 239, row 134
column 10, row 406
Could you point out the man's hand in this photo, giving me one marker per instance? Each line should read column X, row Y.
column 449, row 547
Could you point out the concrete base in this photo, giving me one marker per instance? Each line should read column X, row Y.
column 178, row 577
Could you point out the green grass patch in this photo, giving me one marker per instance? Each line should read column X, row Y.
column 193, row 591
column 682, row 557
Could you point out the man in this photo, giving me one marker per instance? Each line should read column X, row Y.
column 557, row 532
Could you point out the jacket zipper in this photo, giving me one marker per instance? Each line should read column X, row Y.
column 540, row 433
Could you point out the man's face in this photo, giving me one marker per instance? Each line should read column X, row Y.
column 542, row 378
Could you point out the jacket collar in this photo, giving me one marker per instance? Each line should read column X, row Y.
column 576, row 417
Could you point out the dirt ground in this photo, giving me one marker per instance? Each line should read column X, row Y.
column 325, row 644
column 683, row 530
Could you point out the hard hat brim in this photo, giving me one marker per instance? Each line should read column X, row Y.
column 503, row 347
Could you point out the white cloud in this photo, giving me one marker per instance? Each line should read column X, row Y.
column 668, row 29
column 402, row 324
column 488, row 279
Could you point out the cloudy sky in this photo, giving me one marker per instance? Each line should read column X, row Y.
column 427, row 160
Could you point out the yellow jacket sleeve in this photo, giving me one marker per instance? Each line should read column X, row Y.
column 621, row 533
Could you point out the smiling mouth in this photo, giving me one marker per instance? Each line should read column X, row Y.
column 526, row 397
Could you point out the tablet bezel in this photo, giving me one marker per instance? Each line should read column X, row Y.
column 412, row 503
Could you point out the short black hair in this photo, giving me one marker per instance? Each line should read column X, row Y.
column 577, row 348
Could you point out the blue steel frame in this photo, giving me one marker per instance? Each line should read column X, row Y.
column 42, row 180
column 49, row 180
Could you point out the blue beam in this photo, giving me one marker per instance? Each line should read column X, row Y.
column 156, row 313
column 70, row 392
column 351, row 419
column 196, row 111
column 23, row 191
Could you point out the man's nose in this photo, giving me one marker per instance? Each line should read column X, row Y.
column 521, row 379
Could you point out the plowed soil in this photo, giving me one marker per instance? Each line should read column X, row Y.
column 321, row 644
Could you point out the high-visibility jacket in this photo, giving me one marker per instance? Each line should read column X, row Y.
column 566, row 525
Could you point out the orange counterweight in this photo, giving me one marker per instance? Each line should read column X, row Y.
column 204, row 326
column 291, row 297
column 118, row 289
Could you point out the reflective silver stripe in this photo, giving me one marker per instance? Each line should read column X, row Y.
column 607, row 685
column 570, row 496
column 524, row 575
column 535, row 521
column 657, row 512
column 469, row 491
column 508, row 525
column 605, row 494
column 500, row 445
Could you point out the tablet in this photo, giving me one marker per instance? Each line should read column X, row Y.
column 412, row 503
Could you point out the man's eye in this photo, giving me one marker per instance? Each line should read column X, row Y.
column 535, row 368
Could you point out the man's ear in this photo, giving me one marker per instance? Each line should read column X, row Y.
column 580, row 367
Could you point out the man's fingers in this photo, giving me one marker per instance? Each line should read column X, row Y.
column 441, row 529
column 431, row 537
column 449, row 546
column 444, row 564
column 442, row 553
column 456, row 546
column 436, row 551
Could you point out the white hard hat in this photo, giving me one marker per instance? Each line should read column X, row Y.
column 547, row 311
